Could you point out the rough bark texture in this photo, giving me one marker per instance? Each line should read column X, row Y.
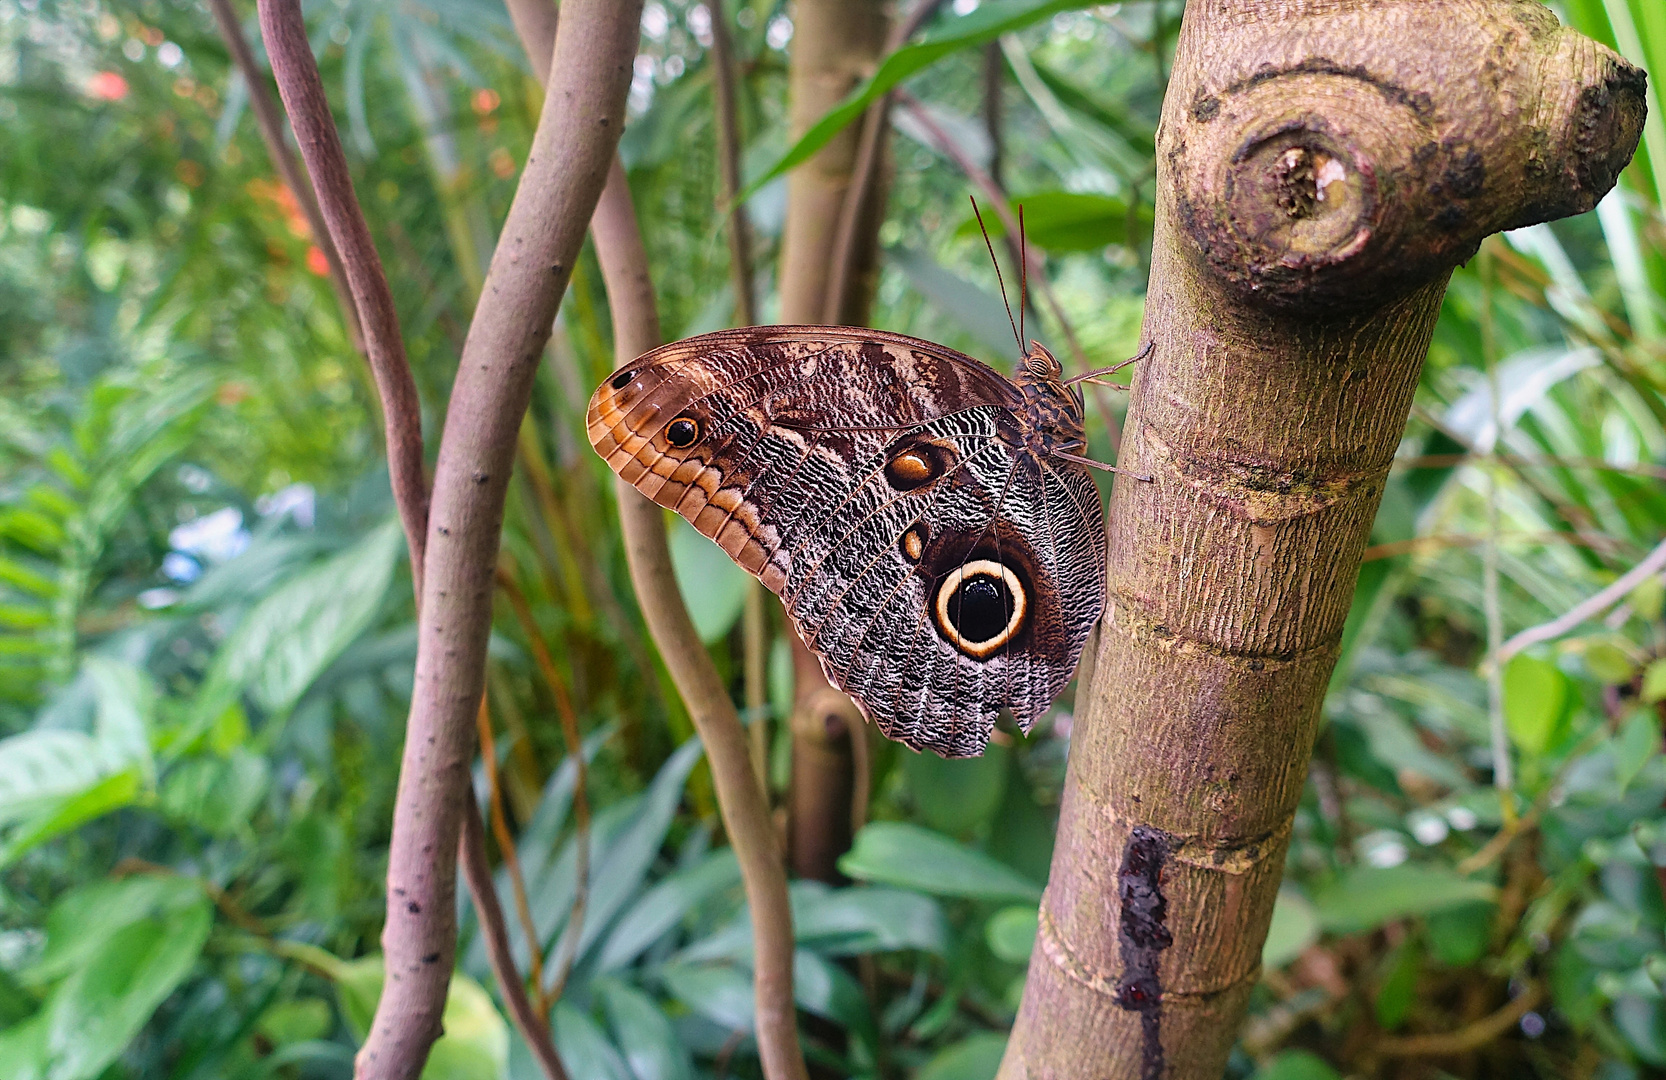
column 1323, row 164
column 565, row 171
column 835, row 44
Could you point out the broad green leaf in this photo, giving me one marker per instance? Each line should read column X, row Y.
column 826, row 989
column 1608, row 662
column 987, row 23
column 722, row 993
column 92, row 1015
column 1399, row 988
column 1297, row 1065
column 1295, row 926
column 713, row 587
column 475, row 1045
column 111, row 793
column 1011, row 932
column 861, row 920
column 957, row 795
column 1458, row 936
column 1064, row 221
column 1654, row 682
column 287, row 641
column 1535, row 703
column 896, row 853
column 643, row 1034
column 1366, row 897
column 665, row 905
column 976, row 1057
column 1637, row 742
column 973, row 308
column 297, row 1020
column 584, row 1049
column 85, row 918
column 40, row 768
column 618, row 869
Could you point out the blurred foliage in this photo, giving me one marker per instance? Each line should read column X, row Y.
column 206, row 633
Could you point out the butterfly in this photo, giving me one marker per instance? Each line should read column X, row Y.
column 930, row 526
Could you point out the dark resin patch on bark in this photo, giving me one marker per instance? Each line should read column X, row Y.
column 1144, row 934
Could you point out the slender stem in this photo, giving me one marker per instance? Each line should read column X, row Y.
column 739, row 798
column 865, row 175
column 728, row 166
column 1466, row 1039
column 539, row 245
column 302, row 91
column 511, row 857
column 269, row 119
column 528, row 1020
column 581, row 794
column 1590, row 608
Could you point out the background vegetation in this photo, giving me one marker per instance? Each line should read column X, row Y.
column 206, row 633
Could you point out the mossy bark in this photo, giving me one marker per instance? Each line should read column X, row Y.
column 1322, row 167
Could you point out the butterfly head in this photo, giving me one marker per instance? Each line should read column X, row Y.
column 1039, row 363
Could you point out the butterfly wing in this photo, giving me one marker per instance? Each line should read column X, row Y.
column 859, row 475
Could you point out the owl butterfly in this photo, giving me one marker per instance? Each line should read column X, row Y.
column 930, row 526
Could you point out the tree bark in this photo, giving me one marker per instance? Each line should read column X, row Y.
column 835, row 44
column 1322, row 167
column 577, row 132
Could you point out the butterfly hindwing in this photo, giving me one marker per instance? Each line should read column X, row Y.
column 883, row 487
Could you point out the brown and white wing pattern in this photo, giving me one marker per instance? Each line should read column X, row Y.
column 880, row 486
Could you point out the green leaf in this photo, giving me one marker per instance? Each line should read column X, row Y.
column 111, row 793
column 976, row 1057
column 1458, row 936
column 1535, row 703
column 642, row 1032
column 1609, row 663
column 1063, row 221
column 584, row 1049
column 1637, row 742
column 287, row 641
column 863, row 920
column 86, row 917
column 896, row 853
column 1648, row 600
column 1295, row 926
column 40, row 768
column 825, row 989
column 722, row 993
column 1654, row 682
column 1399, row 989
column 713, row 587
column 987, row 23
column 665, row 905
column 93, row 1014
column 1297, row 1065
column 1363, row 898
column 1011, row 932
column 957, row 795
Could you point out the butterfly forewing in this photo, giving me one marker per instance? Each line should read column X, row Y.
column 882, row 486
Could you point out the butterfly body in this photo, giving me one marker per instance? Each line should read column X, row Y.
column 906, row 502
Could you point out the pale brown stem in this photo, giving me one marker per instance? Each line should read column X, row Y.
column 566, row 168
column 269, row 121
column 1471, row 1037
column 1589, row 608
column 511, row 859
column 568, row 719
column 740, row 799
column 529, row 1020
column 302, row 91
column 728, row 166
column 864, row 176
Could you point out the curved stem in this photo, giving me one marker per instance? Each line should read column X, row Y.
column 315, row 132
column 739, row 796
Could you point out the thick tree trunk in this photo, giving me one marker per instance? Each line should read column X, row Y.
column 1322, row 166
column 835, row 44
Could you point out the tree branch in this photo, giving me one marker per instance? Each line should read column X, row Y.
column 315, row 133
column 1589, row 608
column 739, row 797
column 728, row 166
column 541, row 238
column 479, row 877
column 269, row 121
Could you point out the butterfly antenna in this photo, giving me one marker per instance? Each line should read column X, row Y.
column 1016, row 333
column 1023, row 274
